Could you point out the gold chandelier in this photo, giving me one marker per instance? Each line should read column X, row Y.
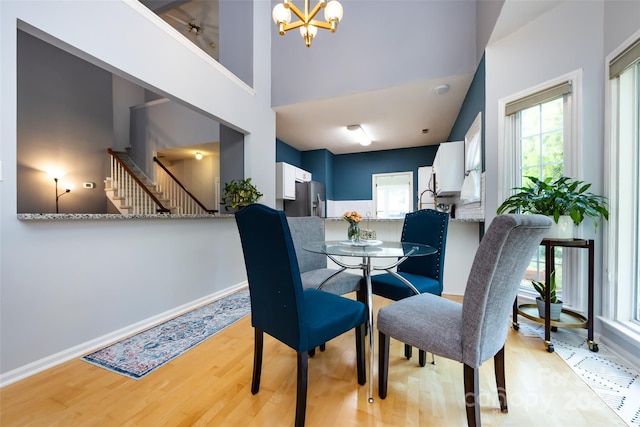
column 308, row 26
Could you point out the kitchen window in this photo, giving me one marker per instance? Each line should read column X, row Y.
column 392, row 194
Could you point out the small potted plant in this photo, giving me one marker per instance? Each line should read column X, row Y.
column 556, row 304
column 565, row 200
column 239, row 193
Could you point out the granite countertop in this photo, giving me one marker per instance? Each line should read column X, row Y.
column 50, row 216
column 402, row 219
column 65, row 216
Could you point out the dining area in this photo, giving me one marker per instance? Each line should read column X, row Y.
column 306, row 309
column 213, row 383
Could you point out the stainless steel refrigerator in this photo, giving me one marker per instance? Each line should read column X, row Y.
column 310, row 200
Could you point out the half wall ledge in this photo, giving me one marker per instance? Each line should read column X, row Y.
column 74, row 217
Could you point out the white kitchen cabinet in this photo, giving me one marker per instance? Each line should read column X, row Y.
column 302, row 175
column 285, row 181
column 286, row 177
column 448, row 168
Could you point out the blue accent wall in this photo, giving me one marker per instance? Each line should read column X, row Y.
column 352, row 172
column 474, row 103
column 320, row 164
column 288, row 154
column 348, row 176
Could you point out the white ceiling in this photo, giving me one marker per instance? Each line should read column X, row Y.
column 394, row 116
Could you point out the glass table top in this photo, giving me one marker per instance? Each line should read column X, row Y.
column 373, row 249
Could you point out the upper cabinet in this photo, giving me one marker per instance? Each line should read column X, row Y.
column 448, row 168
column 470, row 192
column 286, row 177
column 302, row 175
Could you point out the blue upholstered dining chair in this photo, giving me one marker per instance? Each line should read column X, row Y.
column 300, row 318
column 476, row 330
column 429, row 227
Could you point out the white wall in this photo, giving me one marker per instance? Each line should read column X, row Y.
column 462, row 244
column 565, row 39
column 64, row 284
column 571, row 36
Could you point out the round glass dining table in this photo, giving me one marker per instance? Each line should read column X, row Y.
column 366, row 250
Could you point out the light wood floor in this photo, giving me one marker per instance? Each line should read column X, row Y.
column 210, row 386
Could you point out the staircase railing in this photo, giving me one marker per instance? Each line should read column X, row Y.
column 136, row 194
column 173, row 190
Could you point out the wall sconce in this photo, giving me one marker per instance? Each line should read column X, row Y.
column 67, row 190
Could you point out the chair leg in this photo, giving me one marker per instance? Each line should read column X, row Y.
column 257, row 360
column 323, row 346
column 360, row 355
column 383, row 364
column 422, row 357
column 312, row 352
column 301, row 395
column 408, row 351
column 471, row 391
column 498, row 364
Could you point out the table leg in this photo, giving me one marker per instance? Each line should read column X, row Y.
column 366, row 269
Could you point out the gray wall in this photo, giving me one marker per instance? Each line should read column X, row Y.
column 231, row 152
column 65, row 122
column 236, row 38
column 67, row 287
column 165, row 124
column 379, row 44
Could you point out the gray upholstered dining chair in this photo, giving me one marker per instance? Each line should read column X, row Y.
column 313, row 266
column 476, row 330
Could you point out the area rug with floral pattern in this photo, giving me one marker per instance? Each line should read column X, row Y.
column 142, row 353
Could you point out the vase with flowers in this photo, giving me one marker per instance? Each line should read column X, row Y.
column 353, row 218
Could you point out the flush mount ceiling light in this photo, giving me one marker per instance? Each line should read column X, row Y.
column 359, row 134
column 198, row 156
column 440, row 89
column 308, row 26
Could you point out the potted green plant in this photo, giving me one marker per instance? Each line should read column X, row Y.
column 555, row 303
column 564, row 199
column 239, row 193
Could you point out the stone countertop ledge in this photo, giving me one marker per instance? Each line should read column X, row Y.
column 364, row 220
column 52, row 216
column 63, row 216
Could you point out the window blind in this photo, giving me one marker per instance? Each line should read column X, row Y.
column 621, row 62
column 538, row 98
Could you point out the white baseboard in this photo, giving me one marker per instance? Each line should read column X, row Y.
column 108, row 339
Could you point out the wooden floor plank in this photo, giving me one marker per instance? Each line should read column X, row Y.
column 210, row 385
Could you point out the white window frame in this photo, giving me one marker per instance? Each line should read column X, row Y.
column 374, row 178
column 574, row 269
column 619, row 251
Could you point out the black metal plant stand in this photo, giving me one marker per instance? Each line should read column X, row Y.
column 568, row 318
